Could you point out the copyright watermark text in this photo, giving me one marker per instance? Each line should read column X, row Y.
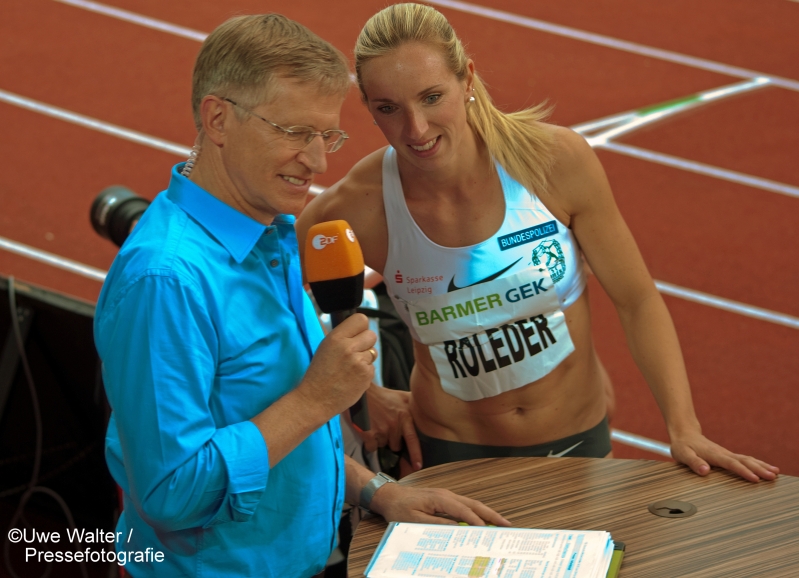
column 82, row 546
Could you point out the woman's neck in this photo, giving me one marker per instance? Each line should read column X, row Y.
column 467, row 169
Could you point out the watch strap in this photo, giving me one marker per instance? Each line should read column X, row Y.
column 368, row 491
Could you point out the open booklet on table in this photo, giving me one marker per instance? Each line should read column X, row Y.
column 486, row 551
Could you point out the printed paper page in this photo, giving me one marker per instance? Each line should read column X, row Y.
column 473, row 551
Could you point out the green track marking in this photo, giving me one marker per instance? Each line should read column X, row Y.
column 676, row 103
column 624, row 123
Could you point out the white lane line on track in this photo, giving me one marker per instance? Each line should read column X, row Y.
column 102, row 126
column 610, row 42
column 184, row 151
column 145, row 21
column 615, row 120
column 627, row 122
column 52, row 259
column 727, row 304
column 93, row 123
column 640, row 442
column 541, row 25
column 701, row 168
column 620, row 124
column 665, row 288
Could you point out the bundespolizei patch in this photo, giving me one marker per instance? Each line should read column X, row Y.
column 528, row 235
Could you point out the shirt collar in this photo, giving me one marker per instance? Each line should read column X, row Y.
column 235, row 231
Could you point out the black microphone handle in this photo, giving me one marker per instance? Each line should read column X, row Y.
column 337, row 317
column 359, row 412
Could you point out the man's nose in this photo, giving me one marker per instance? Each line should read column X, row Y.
column 314, row 155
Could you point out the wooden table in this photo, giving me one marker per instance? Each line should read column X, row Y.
column 740, row 529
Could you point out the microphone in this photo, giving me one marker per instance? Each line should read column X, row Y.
column 334, row 269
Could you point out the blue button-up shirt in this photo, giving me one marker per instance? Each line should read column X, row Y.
column 201, row 324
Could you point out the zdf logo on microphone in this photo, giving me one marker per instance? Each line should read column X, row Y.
column 321, row 241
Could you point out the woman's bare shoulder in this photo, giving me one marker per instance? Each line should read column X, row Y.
column 357, row 199
column 569, row 148
column 362, row 184
column 576, row 171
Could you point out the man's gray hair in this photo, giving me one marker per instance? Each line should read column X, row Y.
column 242, row 57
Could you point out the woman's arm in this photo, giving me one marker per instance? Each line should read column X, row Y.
column 358, row 199
column 582, row 190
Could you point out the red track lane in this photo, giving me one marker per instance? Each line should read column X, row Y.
column 744, row 390
column 755, row 34
column 56, row 170
column 582, row 81
column 128, row 75
column 98, row 66
column 722, row 238
column 693, row 230
column 337, row 22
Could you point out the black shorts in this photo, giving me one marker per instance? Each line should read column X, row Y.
column 593, row 443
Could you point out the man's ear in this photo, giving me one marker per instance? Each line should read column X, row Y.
column 215, row 114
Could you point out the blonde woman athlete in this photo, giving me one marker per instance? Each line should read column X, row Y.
column 479, row 222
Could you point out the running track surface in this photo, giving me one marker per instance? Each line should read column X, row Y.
column 699, row 232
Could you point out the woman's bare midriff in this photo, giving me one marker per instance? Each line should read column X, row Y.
column 567, row 401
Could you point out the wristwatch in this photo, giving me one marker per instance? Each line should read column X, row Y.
column 368, row 491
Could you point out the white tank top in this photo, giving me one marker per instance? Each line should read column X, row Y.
column 491, row 313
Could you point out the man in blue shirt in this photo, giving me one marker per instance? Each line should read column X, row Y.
column 225, row 394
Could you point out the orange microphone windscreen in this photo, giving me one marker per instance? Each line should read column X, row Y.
column 332, row 252
column 334, row 266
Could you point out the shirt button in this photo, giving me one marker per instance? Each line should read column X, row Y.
column 338, row 444
column 274, row 263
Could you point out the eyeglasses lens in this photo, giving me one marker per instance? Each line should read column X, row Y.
column 300, row 137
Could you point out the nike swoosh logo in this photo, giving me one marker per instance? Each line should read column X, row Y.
column 452, row 287
column 564, row 452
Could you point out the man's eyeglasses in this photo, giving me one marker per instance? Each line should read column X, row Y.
column 299, row 137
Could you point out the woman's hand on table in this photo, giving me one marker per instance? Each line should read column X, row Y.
column 699, row 453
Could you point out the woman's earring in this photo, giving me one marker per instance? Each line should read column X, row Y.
column 471, row 99
column 374, row 121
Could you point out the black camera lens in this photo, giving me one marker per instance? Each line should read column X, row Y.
column 115, row 212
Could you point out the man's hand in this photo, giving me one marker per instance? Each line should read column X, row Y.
column 341, row 369
column 699, row 453
column 399, row 503
column 391, row 421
